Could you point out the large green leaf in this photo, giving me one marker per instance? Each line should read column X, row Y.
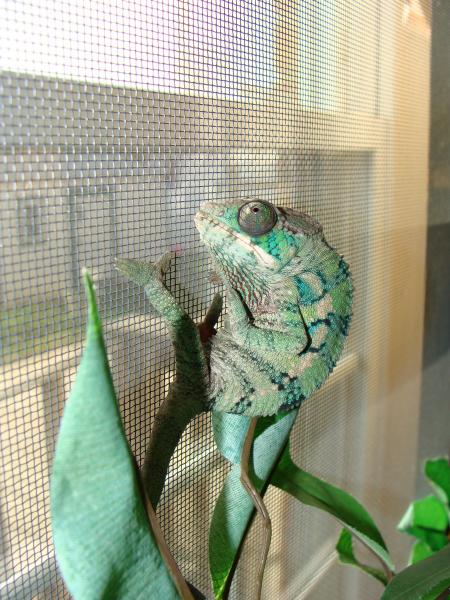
column 437, row 471
column 104, row 544
column 234, row 508
column 423, row 581
column 344, row 548
column 315, row 492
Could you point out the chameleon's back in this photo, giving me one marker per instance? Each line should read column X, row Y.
column 290, row 298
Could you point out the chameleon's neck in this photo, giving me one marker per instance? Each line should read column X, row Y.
column 251, row 284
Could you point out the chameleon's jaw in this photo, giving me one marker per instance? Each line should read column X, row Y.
column 214, row 232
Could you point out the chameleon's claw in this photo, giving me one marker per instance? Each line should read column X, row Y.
column 137, row 270
column 142, row 272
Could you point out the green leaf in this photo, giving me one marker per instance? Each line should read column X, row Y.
column 234, row 508
column 230, row 431
column 344, row 549
column 229, row 434
column 419, row 551
column 315, row 492
column 428, row 513
column 427, row 520
column 104, row 544
column 438, row 590
column 437, row 471
column 423, row 581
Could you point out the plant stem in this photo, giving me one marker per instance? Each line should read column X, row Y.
column 257, row 500
column 177, row 576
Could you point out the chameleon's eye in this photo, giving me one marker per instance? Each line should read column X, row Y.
column 257, row 217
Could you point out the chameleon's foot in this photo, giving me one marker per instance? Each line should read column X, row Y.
column 150, row 276
column 142, row 272
column 256, row 499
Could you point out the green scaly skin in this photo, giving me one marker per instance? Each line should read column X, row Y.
column 289, row 309
column 290, row 298
column 188, row 393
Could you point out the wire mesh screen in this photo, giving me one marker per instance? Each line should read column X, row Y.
column 118, row 120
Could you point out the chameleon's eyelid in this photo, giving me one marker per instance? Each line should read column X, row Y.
column 249, row 218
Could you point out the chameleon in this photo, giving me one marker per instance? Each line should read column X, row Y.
column 289, row 299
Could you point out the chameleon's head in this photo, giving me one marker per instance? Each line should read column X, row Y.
column 253, row 235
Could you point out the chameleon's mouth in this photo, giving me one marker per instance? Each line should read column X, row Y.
column 203, row 219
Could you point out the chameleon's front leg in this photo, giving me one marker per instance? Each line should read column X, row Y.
column 187, row 396
column 285, row 332
column 190, row 359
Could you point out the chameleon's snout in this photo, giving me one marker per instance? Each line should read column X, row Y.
column 208, row 217
column 207, row 212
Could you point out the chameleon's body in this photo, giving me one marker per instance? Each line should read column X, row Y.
column 290, row 297
column 289, row 307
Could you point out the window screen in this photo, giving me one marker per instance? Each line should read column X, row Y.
column 118, row 120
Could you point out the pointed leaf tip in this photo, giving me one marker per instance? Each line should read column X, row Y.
column 89, row 288
column 94, row 322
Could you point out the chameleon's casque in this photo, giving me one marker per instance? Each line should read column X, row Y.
column 289, row 306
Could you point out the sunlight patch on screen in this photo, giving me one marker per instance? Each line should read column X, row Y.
column 194, row 47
